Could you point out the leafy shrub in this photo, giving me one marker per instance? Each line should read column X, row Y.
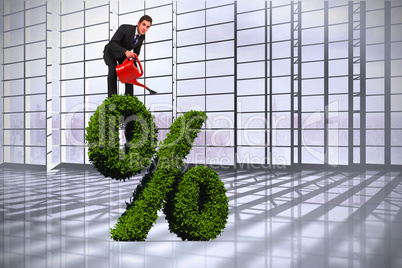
column 102, row 136
column 140, row 215
column 197, row 208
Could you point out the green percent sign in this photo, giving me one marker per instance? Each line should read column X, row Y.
column 193, row 201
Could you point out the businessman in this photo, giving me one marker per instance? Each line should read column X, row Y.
column 127, row 37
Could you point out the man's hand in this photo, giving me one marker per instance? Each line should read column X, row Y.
column 130, row 54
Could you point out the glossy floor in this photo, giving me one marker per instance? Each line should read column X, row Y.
column 62, row 218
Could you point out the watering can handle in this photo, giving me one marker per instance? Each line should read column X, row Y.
column 139, row 63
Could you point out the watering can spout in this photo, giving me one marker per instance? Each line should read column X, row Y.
column 135, row 82
column 128, row 73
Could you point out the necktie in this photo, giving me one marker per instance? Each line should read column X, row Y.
column 135, row 40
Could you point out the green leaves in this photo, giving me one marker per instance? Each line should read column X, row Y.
column 111, row 158
column 197, row 208
column 194, row 202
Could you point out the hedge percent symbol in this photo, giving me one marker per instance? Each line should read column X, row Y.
column 194, row 201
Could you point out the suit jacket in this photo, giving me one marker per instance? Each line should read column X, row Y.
column 122, row 41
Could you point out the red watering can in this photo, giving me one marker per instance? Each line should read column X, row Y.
column 128, row 73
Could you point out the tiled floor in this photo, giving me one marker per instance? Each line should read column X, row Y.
column 314, row 219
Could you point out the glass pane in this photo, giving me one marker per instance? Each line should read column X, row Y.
column 281, row 67
column 313, row 155
column 220, row 15
column 281, row 102
column 71, row 54
column 281, row 137
column 97, row 33
column 13, row 104
column 37, row 155
column 161, row 32
column 252, row 36
column 250, row 87
column 250, row 104
column 250, row 53
column 35, row 120
column 221, row 137
column 396, row 155
column 13, row 87
column 251, row 70
column 14, row 120
column 72, row 37
column 281, row 32
column 35, row 68
column 95, row 68
column 73, row 87
column 188, row 37
column 72, row 104
column 192, row 53
column 36, row 138
column 312, row 69
column 281, row 84
column 191, row 20
column 313, row 36
column 159, row 50
column 35, row 51
column 220, row 32
column 35, row 33
column 13, row 137
column 72, row 70
column 73, row 20
column 220, row 156
column 190, row 87
column 13, row 54
column 35, row 103
column 191, row 70
column 220, row 50
column 252, row 19
column 220, row 102
column 220, row 67
column 251, row 155
column 35, row 16
column 251, row 137
column 14, row 154
column 14, row 71
column 14, row 21
column 97, row 15
column 312, row 103
column 14, row 38
column 161, row 14
column 375, row 137
column 220, row 85
column 251, row 120
column 220, row 120
column 281, row 156
column 338, row 15
column 191, row 103
column 313, row 19
column 158, row 67
column 281, row 14
column 375, row 155
column 72, row 154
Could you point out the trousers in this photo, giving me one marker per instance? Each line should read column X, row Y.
column 112, row 82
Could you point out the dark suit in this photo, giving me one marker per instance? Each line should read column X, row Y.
column 114, row 53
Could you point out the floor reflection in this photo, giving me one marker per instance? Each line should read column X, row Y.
column 62, row 218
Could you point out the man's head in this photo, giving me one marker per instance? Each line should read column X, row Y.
column 144, row 24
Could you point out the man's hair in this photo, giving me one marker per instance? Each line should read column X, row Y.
column 147, row 18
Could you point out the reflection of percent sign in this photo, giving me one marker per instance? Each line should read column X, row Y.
column 194, row 202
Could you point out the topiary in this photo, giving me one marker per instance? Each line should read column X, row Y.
column 197, row 208
column 140, row 215
column 102, row 136
column 205, row 213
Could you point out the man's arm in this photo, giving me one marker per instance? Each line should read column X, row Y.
column 114, row 44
